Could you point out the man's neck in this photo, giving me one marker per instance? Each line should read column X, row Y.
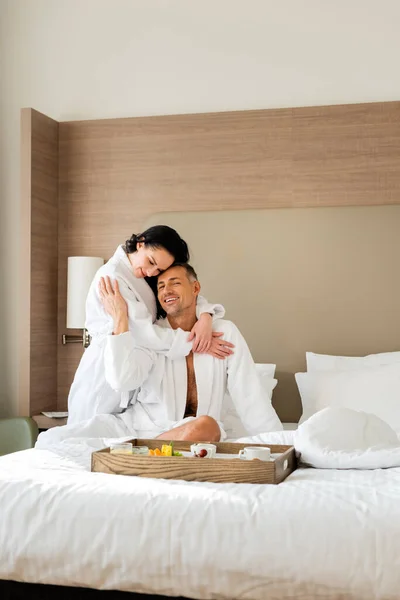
column 184, row 321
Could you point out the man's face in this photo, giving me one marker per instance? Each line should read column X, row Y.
column 176, row 293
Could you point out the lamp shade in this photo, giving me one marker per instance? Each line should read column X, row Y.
column 81, row 270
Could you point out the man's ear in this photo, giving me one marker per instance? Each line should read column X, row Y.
column 196, row 288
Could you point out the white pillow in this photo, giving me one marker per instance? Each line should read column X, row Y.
column 375, row 390
column 341, row 438
column 326, row 362
column 232, row 423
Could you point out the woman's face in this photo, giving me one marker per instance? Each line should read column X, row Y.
column 148, row 261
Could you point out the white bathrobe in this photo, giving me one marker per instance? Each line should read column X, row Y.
column 90, row 393
column 161, row 402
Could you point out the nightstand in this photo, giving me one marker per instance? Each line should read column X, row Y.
column 46, row 423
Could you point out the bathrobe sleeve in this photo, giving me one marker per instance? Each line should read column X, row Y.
column 217, row 311
column 245, row 388
column 126, row 365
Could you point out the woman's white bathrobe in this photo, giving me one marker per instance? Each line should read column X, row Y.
column 90, row 394
column 161, row 402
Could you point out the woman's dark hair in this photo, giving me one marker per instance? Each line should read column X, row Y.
column 160, row 236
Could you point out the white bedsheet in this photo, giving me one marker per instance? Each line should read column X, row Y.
column 320, row 534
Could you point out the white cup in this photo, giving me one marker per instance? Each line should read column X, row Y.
column 211, row 450
column 252, row 452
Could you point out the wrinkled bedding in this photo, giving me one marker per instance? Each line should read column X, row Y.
column 331, row 534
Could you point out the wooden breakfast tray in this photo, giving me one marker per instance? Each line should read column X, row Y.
column 218, row 470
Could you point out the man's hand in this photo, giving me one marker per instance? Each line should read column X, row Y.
column 114, row 304
column 201, row 334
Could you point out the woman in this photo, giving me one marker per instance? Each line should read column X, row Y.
column 144, row 256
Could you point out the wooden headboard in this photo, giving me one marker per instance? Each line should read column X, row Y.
column 114, row 174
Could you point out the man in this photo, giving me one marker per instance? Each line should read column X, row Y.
column 180, row 399
column 183, row 389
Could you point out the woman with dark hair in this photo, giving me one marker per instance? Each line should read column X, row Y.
column 135, row 266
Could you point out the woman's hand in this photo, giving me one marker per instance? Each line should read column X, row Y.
column 212, row 344
column 220, row 348
column 201, row 333
column 114, row 304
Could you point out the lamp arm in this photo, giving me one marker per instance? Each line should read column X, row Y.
column 83, row 339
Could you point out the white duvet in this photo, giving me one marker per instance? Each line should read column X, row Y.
column 326, row 534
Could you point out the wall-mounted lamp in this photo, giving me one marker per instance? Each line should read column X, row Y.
column 81, row 270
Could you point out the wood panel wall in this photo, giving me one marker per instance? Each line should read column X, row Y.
column 115, row 173
column 87, row 185
column 38, row 263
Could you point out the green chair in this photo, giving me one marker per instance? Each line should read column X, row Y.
column 18, row 433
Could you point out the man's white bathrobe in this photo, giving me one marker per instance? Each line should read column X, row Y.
column 161, row 402
column 90, row 392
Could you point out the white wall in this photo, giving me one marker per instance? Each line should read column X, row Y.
column 80, row 59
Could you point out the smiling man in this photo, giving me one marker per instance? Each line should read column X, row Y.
column 182, row 399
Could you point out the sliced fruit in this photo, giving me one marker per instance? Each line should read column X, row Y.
column 166, row 450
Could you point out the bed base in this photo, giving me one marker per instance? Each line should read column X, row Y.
column 14, row 590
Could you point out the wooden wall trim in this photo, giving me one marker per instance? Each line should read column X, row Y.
column 24, row 297
column 39, row 263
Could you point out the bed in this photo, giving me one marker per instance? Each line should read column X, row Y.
column 312, row 186
column 320, row 534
